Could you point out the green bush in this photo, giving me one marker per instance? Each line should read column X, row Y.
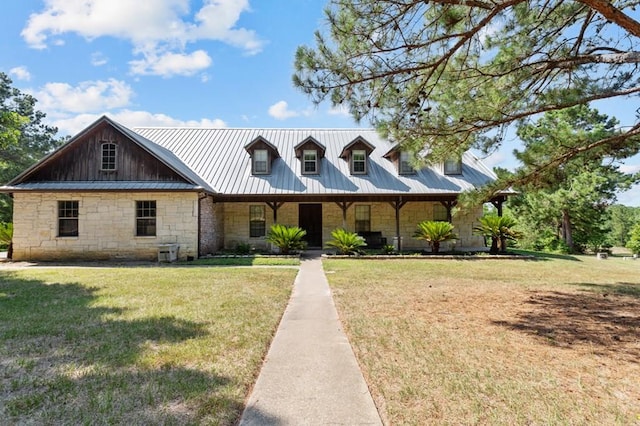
column 633, row 243
column 499, row 229
column 434, row 233
column 287, row 238
column 6, row 238
column 243, row 249
column 346, row 242
column 388, row 249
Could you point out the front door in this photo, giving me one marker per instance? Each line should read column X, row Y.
column 310, row 219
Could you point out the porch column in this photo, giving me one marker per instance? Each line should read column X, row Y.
column 344, row 206
column 449, row 205
column 275, row 206
column 397, row 205
column 497, row 203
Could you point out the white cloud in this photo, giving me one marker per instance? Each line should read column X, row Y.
column 88, row 96
column 128, row 118
column 280, row 111
column 630, row 197
column 21, row 73
column 157, row 29
column 341, row 110
column 170, row 64
column 495, row 159
column 98, row 59
column 630, row 168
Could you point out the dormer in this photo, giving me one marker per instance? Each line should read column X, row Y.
column 357, row 154
column 309, row 152
column 452, row 165
column 401, row 159
column 262, row 153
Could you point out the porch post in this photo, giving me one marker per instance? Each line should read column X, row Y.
column 497, row 203
column 397, row 205
column 275, row 206
column 344, row 205
column 449, row 205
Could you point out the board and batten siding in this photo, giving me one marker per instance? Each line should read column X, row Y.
column 106, row 226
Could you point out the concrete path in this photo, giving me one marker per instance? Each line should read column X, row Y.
column 310, row 375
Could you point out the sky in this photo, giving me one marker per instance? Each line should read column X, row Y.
column 207, row 63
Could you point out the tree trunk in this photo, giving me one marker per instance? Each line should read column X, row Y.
column 494, row 245
column 567, row 236
column 10, row 250
column 435, row 247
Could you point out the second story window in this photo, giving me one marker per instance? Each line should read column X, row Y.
column 453, row 166
column 358, row 161
column 108, row 157
column 310, row 162
column 405, row 167
column 260, row 161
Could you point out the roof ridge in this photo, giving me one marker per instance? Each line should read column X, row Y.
column 332, row 129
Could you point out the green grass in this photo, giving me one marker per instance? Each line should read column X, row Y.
column 246, row 261
column 134, row 345
column 547, row 341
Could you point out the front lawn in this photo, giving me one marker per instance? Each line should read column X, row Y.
column 134, row 345
column 548, row 341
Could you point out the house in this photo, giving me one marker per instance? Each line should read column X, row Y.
column 111, row 192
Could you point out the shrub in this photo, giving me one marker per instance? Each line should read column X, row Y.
column 499, row 229
column 287, row 238
column 243, row 249
column 6, row 237
column 388, row 249
column 633, row 243
column 346, row 242
column 434, row 233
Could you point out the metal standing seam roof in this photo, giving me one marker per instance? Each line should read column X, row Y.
column 218, row 157
column 114, row 185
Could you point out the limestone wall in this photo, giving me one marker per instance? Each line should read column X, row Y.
column 211, row 226
column 236, row 224
column 106, row 226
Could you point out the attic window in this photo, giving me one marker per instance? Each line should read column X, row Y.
column 108, row 158
column 453, row 166
column 405, row 167
column 358, row 162
column 260, row 162
column 309, row 162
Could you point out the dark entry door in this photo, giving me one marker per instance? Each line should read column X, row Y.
column 310, row 219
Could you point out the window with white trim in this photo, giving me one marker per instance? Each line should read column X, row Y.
column 405, row 167
column 108, row 156
column 68, row 218
column 453, row 166
column 309, row 162
column 358, row 161
column 363, row 219
column 260, row 161
column 146, row 218
column 257, row 221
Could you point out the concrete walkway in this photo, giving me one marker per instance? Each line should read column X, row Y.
column 310, row 375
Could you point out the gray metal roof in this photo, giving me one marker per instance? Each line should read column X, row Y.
column 219, row 158
column 102, row 186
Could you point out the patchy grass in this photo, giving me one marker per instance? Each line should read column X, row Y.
column 548, row 341
column 246, row 261
column 134, row 345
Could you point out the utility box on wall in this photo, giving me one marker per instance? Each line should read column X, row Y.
column 168, row 252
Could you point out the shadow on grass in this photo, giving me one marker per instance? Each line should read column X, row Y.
column 67, row 360
column 546, row 256
column 607, row 323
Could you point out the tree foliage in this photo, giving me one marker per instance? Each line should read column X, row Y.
column 621, row 220
column 453, row 75
column 634, row 240
column 24, row 137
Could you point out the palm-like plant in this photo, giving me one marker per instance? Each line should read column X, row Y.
column 6, row 237
column 286, row 238
column 499, row 229
column 346, row 242
column 435, row 232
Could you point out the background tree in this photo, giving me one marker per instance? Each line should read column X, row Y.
column 567, row 204
column 634, row 240
column 621, row 220
column 455, row 74
column 24, row 138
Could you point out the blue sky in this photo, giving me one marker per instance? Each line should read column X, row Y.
column 211, row 63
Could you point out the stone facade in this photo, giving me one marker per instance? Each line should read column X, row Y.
column 106, row 226
column 211, row 226
column 236, row 223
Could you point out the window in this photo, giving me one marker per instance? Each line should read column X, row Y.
column 309, row 162
column 257, row 221
column 453, row 166
column 145, row 218
column 260, row 161
column 440, row 213
column 363, row 219
column 68, row 218
column 108, row 157
column 405, row 163
column 358, row 161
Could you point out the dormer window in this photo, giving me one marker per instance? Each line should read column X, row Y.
column 262, row 155
column 309, row 162
column 108, row 156
column 404, row 166
column 358, row 162
column 260, row 162
column 453, row 166
column 357, row 154
column 310, row 152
